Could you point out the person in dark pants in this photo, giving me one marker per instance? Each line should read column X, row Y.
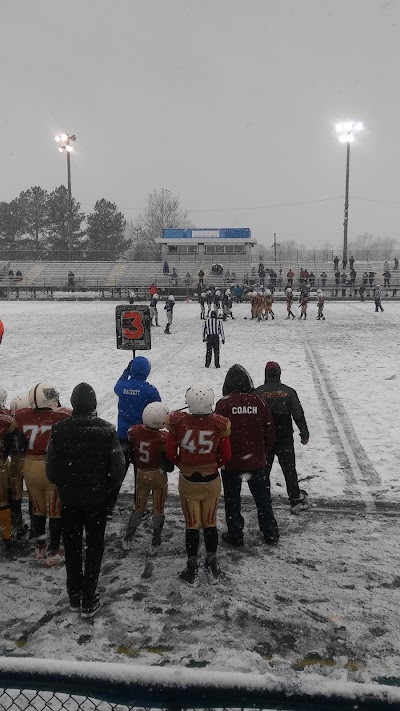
column 252, row 435
column 85, row 461
column 285, row 405
column 212, row 331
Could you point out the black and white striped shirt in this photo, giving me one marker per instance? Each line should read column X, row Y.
column 213, row 327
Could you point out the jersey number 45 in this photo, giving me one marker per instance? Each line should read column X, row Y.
column 198, row 441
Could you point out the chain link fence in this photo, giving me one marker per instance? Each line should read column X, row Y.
column 41, row 684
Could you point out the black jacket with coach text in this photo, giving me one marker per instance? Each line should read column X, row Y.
column 84, row 460
column 284, row 405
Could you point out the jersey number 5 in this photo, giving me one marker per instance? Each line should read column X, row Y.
column 144, row 452
column 199, row 441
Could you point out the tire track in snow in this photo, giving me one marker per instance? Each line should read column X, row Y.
column 360, row 473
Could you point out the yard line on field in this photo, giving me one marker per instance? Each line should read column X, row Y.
column 360, row 472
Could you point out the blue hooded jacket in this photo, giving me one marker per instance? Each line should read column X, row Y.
column 134, row 394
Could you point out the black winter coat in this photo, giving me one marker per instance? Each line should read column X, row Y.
column 84, row 460
column 284, row 404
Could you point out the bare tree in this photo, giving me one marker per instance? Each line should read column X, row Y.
column 162, row 211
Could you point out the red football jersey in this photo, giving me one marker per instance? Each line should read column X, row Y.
column 36, row 425
column 148, row 446
column 198, row 438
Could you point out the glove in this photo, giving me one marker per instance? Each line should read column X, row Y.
column 204, row 340
column 304, row 440
column 223, row 343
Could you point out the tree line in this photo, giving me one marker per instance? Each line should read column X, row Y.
column 36, row 224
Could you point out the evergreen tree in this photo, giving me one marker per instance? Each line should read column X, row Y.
column 57, row 225
column 105, row 232
column 33, row 209
column 11, row 226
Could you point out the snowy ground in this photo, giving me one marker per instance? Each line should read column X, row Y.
column 327, row 597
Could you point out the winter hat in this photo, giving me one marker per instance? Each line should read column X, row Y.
column 83, row 399
column 272, row 370
column 237, row 380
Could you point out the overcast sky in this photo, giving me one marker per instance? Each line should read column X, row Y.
column 229, row 104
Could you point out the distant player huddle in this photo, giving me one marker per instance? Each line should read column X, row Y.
column 261, row 304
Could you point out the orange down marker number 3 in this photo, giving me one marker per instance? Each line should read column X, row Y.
column 135, row 328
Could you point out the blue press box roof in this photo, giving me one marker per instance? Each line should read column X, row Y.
column 209, row 233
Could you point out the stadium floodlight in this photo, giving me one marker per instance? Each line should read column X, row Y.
column 65, row 139
column 346, row 130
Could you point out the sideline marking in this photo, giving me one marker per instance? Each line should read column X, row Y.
column 357, row 473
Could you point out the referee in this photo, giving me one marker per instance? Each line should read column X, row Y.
column 212, row 330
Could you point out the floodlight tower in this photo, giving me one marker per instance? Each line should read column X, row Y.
column 64, row 140
column 346, row 130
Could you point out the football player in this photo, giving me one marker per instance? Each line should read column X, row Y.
column 148, row 443
column 268, row 301
column 34, row 425
column 198, row 443
column 153, row 309
column 289, row 302
column 5, row 510
column 321, row 302
column 303, row 304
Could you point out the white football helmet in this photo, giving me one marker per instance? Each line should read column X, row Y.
column 200, row 400
column 268, row 292
column 18, row 403
column 228, row 292
column 289, row 290
column 154, row 415
column 203, row 294
column 319, row 292
column 254, row 293
column 217, row 293
column 171, row 297
column 3, row 396
column 156, row 296
column 44, row 395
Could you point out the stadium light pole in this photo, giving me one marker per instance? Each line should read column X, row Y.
column 65, row 140
column 346, row 130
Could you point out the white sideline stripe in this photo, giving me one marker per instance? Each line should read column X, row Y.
column 358, row 475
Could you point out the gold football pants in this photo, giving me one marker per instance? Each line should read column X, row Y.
column 43, row 494
column 151, row 480
column 199, row 502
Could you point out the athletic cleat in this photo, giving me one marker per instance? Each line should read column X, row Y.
column 55, row 557
column 189, row 574
column 90, row 609
column 40, row 550
column 126, row 543
column 75, row 603
column 212, row 569
column 302, row 504
column 232, row 540
column 156, row 539
column 8, row 543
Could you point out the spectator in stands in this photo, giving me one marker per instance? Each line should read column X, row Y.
column 336, row 263
column 344, row 263
column 290, row 277
column 18, row 275
column 272, row 279
column 201, row 277
column 337, row 277
column 10, row 275
column 324, row 277
column 153, row 289
column 306, row 275
column 71, row 281
column 362, row 292
column 351, row 262
column 174, row 277
column 353, row 275
column 371, row 277
column 365, row 278
column 165, row 268
column 311, row 279
column 238, row 292
column 396, row 265
column 343, row 277
column 261, row 273
column 386, row 265
column 386, row 276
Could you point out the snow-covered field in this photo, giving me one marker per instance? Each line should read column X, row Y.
column 327, row 598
